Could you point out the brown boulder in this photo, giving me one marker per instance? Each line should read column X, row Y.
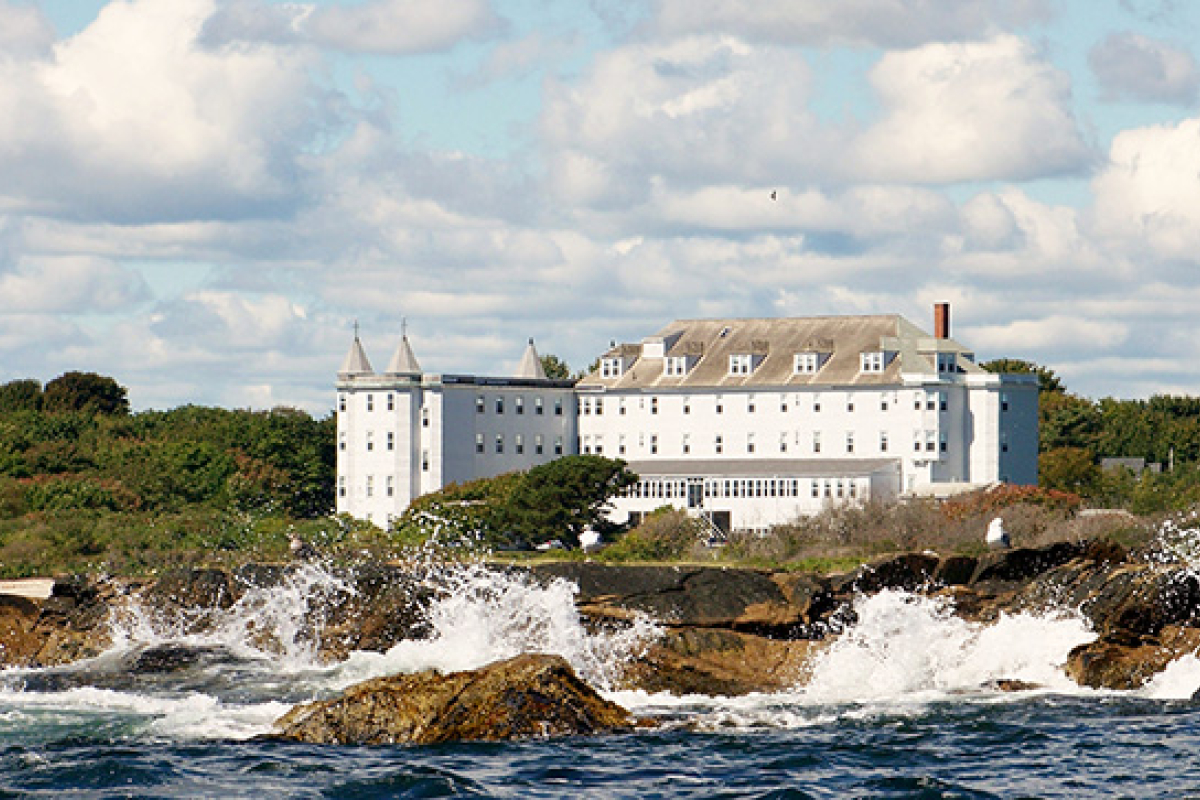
column 1108, row 664
column 524, row 697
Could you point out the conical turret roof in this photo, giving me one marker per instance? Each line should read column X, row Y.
column 404, row 361
column 356, row 362
column 531, row 364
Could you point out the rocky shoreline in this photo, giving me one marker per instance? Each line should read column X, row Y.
column 724, row 631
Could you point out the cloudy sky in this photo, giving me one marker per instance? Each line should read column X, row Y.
column 200, row 197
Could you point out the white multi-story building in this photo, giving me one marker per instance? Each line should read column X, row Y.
column 402, row 433
column 750, row 422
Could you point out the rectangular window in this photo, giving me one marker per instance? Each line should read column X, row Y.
column 519, row 444
column 816, row 441
column 750, row 404
column 537, row 406
column 849, row 441
column 621, row 445
column 499, row 405
column 479, row 404
column 558, row 406
column 391, row 402
column 653, row 443
column 942, row 442
column 585, row 406
column 850, row 403
column 425, row 461
column 341, row 440
column 599, row 406
column 520, row 404
column 720, row 406
column 676, row 366
column 931, row 402
column 1003, row 442
column 341, row 486
column 883, row 402
column 479, row 443
column 783, row 442
column 653, row 405
column 687, row 405
column 871, row 362
column 930, row 441
column 806, row 363
column 370, row 486
column 391, row 486
column 686, row 445
column 741, row 364
column 499, row 442
column 538, row 446
column 718, row 444
column 370, row 440
column 816, row 403
column 621, row 407
column 558, row 446
column 370, row 402
column 391, row 441
column 1004, row 401
column 941, row 401
column 749, row 442
column 883, row 441
column 425, row 417
column 341, row 402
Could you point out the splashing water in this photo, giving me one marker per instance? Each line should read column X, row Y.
column 908, row 645
column 484, row 615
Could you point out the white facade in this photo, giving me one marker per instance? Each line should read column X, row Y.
column 749, row 422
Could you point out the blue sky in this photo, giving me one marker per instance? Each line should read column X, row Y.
column 200, row 197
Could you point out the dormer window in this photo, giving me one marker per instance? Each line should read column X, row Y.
column 872, row 361
column 946, row 362
column 612, row 367
column 806, row 363
column 741, row 364
column 677, row 366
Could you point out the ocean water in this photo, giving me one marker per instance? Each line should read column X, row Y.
column 903, row 706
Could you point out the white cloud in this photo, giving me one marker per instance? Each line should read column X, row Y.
column 1130, row 66
column 1057, row 332
column 1148, row 195
column 973, row 111
column 887, row 23
column 69, row 284
column 132, row 120
column 24, row 30
column 401, row 26
column 693, row 112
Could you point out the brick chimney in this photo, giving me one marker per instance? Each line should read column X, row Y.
column 941, row 320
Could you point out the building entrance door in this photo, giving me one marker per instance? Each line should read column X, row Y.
column 695, row 494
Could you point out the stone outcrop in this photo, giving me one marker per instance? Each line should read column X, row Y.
column 69, row 625
column 530, row 696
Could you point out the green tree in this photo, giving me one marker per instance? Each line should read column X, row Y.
column 563, row 498
column 21, row 395
column 85, row 391
column 1069, row 469
column 555, row 368
column 1047, row 380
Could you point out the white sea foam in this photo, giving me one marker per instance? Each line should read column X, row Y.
column 1179, row 681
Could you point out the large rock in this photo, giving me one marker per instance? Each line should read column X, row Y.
column 523, row 697
column 1107, row 664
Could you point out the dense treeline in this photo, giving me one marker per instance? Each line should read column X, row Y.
column 1076, row 434
column 83, row 477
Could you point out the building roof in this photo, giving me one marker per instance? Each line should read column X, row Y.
column 530, row 367
column 764, row 467
column 772, row 344
column 356, row 362
column 404, row 361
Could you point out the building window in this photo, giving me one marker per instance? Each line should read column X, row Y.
column 883, row 402
column 654, row 444
column 816, row 441
column 1003, row 442
column 916, row 441
column 1004, row 401
column 718, row 444
column 653, row 405
column 558, row 446
column 519, row 444
column 931, row 401
column 871, row 362
column 783, row 442
column 585, row 406
column 687, row 405
column 741, row 364
column 520, row 404
column 942, row 442
column 621, row 406
column 719, row 404
column 424, row 461
column 621, row 445
column 499, row 442
column 850, row 402
column 806, row 363
column 599, row 406
column 930, row 441
column 883, row 441
column 370, row 402
column 538, row 446
column 817, row 403
column 341, row 402
column 611, row 368
column 391, row 486
column 341, row 486
column 558, row 405
column 941, row 401
column 499, row 405
column 479, row 404
column 749, row 442
column 686, row 447
column 676, row 366
column 341, row 440
column 750, row 404
column 599, row 445
column 370, row 486
column 391, row 441
column 816, row 488
column 370, row 440
column 479, row 443
column 946, row 362
column 783, row 403
column 425, row 417
column 849, row 441
column 391, row 402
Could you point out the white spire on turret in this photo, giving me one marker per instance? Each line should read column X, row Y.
column 531, row 364
column 356, row 362
column 404, row 361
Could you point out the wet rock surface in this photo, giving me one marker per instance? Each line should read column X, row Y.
column 530, row 696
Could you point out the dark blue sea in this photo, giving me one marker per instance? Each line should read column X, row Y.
column 900, row 707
